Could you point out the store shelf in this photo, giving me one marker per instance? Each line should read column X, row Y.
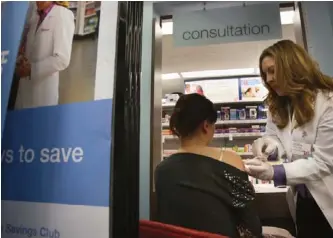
column 172, row 104
column 224, row 135
column 86, row 18
column 239, row 135
column 88, row 32
column 168, row 104
column 245, row 153
column 167, row 153
column 232, row 122
column 90, row 15
column 269, row 188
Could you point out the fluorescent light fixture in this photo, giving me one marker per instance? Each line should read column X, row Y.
column 167, row 28
column 287, row 17
column 170, row 76
column 219, row 73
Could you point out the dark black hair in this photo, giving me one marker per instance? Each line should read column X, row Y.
column 190, row 111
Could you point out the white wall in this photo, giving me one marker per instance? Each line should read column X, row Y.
column 331, row 13
column 211, row 57
column 106, row 58
column 319, row 33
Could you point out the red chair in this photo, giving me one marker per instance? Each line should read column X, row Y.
column 152, row 229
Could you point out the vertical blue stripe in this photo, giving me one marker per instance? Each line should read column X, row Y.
column 13, row 16
column 240, row 89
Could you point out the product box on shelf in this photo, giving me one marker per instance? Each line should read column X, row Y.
column 251, row 112
column 252, row 89
column 170, row 98
column 262, row 112
column 241, row 114
column 246, row 113
column 247, row 148
column 259, row 181
column 166, row 132
column 233, row 114
column 225, row 113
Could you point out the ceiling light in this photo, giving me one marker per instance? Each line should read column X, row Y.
column 167, row 28
column 170, row 76
column 219, row 73
column 287, row 17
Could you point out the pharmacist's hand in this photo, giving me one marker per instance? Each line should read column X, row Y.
column 263, row 147
column 259, row 169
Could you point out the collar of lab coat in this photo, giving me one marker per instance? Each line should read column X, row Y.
column 49, row 13
column 45, row 12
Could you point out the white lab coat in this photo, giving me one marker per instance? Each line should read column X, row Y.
column 316, row 172
column 49, row 51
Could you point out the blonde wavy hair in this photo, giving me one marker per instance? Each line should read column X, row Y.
column 299, row 77
column 62, row 3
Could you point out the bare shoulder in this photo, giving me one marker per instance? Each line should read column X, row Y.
column 232, row 158
column 229, row 157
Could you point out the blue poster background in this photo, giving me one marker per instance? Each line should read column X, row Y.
column 13, row 15
column 58, row 154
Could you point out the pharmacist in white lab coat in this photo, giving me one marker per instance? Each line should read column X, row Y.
column 300, row 126
column 47, row 48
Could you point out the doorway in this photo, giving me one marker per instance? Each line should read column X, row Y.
column 180, row 65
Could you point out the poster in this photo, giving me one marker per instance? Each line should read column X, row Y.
column 13, row 16
column 56, row 147
column 252, row 89
column 56, row 170
column 216, row 90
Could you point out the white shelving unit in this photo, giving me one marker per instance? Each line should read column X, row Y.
column 172, row 104
column 167, row 153
column 269, row 188
column 86, row 19
column 232, row 122
column 223, row 135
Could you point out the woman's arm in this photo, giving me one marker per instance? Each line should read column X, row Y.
column 249, row 224
column 319, row 165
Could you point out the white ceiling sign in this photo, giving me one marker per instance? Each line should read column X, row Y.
column 225, row 25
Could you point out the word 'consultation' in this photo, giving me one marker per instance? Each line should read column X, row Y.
column 228, row 31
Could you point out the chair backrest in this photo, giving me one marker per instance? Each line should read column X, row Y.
column 152, row 229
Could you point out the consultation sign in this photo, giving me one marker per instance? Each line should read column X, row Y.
column 225, row 25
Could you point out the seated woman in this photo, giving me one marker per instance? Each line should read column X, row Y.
column 201, row 187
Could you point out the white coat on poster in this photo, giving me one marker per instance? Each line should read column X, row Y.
column 48, row 50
